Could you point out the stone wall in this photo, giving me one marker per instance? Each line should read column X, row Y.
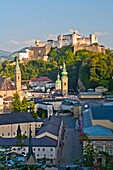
column 94, row 48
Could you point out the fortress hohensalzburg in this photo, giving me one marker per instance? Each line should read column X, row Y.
column 42, row 48
column 90, row 43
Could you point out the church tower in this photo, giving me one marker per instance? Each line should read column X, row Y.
column 64, row 81
column 17, row 76
column 58, row 83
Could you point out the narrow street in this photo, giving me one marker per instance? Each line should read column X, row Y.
column 72, row 148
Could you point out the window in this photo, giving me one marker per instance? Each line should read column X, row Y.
column 43, row 149
column 34, row 149
column 8, row 134
column 14, row 133
column 24, row 149
column 109, row 151
column 25, row 132
column 38, row 149
column 51, row 155
column 51, row 149
column 2, row 134
column 44, row 155
column 37, row 154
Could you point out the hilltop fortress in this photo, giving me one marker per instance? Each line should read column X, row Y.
column 42, row 48
column 90, row 43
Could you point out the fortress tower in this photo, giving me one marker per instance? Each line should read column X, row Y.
column 58, row 83
column 17, row 74
column 64, row 81
column 60, row 39
column 93, row 39
column 74, row 38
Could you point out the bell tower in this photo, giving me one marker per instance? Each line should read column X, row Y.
column 58, row 83
column 64, row 81
column 17, row 76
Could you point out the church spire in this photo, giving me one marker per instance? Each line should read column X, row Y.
column 17, row 76
column 64, row 80
column 17, row 64
column 30, row 155
column 58, row 82
column 64, row 72
column 18, row 130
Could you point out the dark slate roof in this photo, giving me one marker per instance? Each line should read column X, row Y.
column 51, row 125
column 39, row 142
column 92, row 103
column 46, row 101
column 5, row 84
column 102, row 113
column 98, row 130
column 57, row 95
column 52, row 129
column 54, row 120
column 20, row 117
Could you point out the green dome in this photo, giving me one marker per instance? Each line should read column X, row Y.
column 58, row 81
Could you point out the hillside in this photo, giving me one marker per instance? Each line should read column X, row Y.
column 86, row 69
column 4, row 55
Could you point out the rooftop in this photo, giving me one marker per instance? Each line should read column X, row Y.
column 39, row 142
column 86, row 118
column 5, row 84
column 51, row 125
column 102, row 113
column 20, row 117
column 98, row 131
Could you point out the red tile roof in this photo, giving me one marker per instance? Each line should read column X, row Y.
column 5, row 84
column 40, row 78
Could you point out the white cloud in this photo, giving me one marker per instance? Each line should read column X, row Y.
column 50, row 36
column 14, row 42
column 100, row 34
column 29, row 42
column 74, row 30
column 25, row 42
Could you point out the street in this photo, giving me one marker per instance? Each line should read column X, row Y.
column 72, row 148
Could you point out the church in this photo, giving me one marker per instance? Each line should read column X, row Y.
column 7, row 89
column 62, row 85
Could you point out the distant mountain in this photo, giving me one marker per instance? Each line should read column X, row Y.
column 4, row 55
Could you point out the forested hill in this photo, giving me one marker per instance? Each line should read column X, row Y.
column 90, row 68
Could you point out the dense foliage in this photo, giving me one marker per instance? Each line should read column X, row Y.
column 93, row 69
column 22, row 106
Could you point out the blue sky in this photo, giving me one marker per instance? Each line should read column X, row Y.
column 24, row 21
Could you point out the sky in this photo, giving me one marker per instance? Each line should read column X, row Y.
column 24, row 21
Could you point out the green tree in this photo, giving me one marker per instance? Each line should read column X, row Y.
column 24, row 105
column 16, row 103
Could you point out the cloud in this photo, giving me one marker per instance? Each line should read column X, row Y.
column 100, row 34
column 74, row 30
column 50, row 36
column 25, row 42
column 29, row 42
column 14, row 42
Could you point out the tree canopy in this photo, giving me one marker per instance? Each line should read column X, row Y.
column 92, row 68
